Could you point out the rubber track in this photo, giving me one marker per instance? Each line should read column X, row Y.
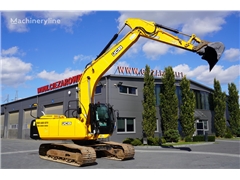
column 128, row 150
column 71, row 154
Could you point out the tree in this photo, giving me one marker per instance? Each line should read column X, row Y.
column 168, row 101
column 233, row 108
column 187, row 108
column 219, row 103
column 149, row 104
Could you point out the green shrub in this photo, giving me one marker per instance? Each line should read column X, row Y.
column 228, row 133
column 198, row 138
column 136, row 142
column 153, row 141
column 188, row 139
column 150, row 141
column 127, row 140
column 211, row 138
column 171, row 135
column 238, row 132
column 163, row 141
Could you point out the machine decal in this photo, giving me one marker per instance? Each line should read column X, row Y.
column 67, row 123
column 117, row 50
column 42, row 124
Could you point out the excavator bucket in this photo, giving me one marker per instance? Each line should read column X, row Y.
column 212, row 53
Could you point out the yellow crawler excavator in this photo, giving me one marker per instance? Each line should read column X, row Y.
column 95, row 121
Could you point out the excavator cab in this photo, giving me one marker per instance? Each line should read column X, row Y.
column 212, row 53
column 102, row 118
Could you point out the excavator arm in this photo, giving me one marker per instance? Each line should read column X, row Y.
column 211, row 52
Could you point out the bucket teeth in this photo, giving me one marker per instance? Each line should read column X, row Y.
column 212, row 53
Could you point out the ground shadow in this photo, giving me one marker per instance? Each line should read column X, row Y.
column 91, row 164
column 180, row 148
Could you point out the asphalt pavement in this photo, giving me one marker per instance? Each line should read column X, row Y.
column 23, row 154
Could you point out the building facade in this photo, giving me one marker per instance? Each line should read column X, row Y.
column 124, row 92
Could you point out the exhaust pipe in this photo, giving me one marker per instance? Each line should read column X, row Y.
column 212, row 53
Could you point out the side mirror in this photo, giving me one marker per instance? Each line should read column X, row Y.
column 33, row 106
column 79, row 110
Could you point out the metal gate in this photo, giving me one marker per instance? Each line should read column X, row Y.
column 2, row 125
column 53, row 109
column 13, row 124
column 27, row 118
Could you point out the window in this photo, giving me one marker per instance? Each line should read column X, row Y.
column 128, row 90
column 178, row 92
column 121, row 125
column 206, row 99
column 198, row 99
column 157, row 93
column 125, row 125
column 13, row 126
column 123, row 89
column 205, row 125
column 210, row 100
column 132, row 90
column 98, row 90
column 102, row 115
column 130, row 125
column 26, row 126
column 201, row 127
column 203, row 100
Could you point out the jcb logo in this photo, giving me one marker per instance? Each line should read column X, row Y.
column 114, row 53
column 66, row 123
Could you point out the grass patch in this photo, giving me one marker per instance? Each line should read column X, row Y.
column 182, row 143
column 234, row 138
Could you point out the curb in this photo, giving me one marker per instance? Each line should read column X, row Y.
column 172, row 146
column 200, row 144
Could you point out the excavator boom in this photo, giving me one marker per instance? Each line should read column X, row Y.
column 209, row 51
